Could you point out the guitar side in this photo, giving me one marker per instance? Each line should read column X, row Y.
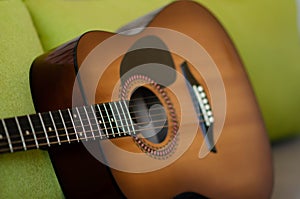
column 52, row 79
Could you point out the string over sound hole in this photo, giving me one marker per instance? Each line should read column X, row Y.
column 148, row 115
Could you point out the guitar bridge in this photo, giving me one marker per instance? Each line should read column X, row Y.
column 201, row 105
column 204, row 105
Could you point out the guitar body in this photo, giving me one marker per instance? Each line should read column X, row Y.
column 240, row 167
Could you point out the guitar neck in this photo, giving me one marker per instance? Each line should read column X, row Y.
column 86, row 123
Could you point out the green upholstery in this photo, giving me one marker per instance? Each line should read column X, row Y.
column 25, row 174
column 58, row 21
column 264, row 32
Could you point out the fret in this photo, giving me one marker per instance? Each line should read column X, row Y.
column 25, row 129
column 60, row 126
column 33, row 132
column 127, row 125
column 129, row 118
column 103, row 121
column 44, row 128
column 78, row 125
column 65, row 126
column 88, row 119
column 119, row 121
column 112, row 111
column 109, row 120
column 96, row 121
column 83, row 129
column 14, row 134
column 63, row 122
column 39, row 131
column 4, row 146
column 72, row 121
column 21, row 134
column 54, row 126
column 7, row 136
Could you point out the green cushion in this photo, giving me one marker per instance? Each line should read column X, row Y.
column 23, row 174
column 264, row 33
column 58, row 20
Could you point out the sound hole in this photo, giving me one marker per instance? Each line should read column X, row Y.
column 149, row 115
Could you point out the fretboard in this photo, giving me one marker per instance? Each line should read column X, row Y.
column 86, row 123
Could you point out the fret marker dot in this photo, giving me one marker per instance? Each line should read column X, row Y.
column 100, row 122
column 27, row 132
column 80, row 134
column 75, row 116
column 1, row 137
column 112, row 119
column 50, row 129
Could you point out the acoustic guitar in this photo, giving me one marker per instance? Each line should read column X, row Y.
column 162, row 109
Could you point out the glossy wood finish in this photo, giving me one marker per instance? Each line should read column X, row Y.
column 242, row 168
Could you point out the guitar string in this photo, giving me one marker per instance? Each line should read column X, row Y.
column 87, row 125
column 87, row 119
column 90, row 118
column 68, row 122
column 61, row 129
column 130, row 106
column 85, row 132
column 33, row 146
